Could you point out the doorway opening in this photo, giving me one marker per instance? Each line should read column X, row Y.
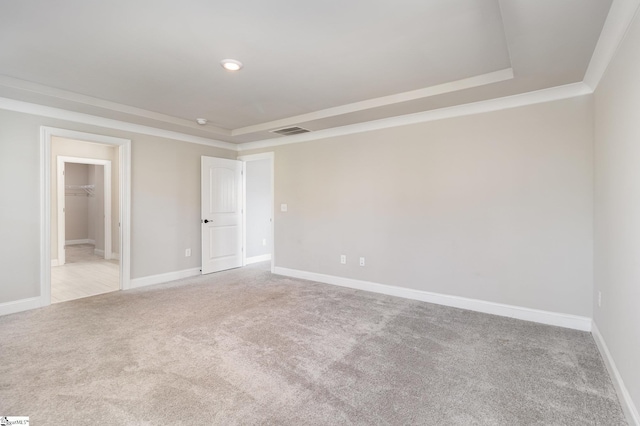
column 258, row 184
column 86, row 263
column 237, row 225
column 85, row 189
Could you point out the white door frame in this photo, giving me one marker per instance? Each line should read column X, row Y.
column 124, row 152
column 62, row 202
column 257, row 157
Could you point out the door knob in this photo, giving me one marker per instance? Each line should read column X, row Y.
column 207, row 221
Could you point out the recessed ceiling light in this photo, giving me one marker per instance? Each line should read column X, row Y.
column 231, row 64
column 201, row 121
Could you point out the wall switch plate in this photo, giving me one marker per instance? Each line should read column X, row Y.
column 362, row 261
column 343, row 259
column 187, row 253
column 283, row 207
column 264, row 241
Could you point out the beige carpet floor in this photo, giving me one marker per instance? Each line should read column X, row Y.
column 247, row 347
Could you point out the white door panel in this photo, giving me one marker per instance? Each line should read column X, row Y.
column 221, row 214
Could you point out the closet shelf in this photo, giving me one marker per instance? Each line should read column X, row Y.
column 75, row 190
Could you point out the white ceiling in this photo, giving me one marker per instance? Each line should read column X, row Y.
column 317, row 64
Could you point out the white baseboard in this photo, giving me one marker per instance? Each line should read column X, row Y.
column 54, row 262
column 20, row 305
column 73, row 242
column 115, row 256
column 163, row 278
column 629, row 408
column 544, row 317
column 98, row 252
column 256, row 259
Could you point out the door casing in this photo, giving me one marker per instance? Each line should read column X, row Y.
column 124, row 153
column 62, row 202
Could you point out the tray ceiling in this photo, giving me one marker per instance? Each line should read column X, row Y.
column 315, row 64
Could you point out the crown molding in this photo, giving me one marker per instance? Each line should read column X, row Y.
column 514, row 101
column 467, row 83
column 540, row 96
column 452, row 86
column 78, row 98
column 619, row 19
column 78, row 117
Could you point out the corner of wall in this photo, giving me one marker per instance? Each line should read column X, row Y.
column 629, row 408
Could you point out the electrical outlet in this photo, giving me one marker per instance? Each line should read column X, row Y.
column 187, row 253
column 362, row 261
column 264, row 241
column 599, row 299
column 283, row 207
column 343, row 259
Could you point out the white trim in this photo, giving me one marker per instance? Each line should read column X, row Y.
column 20, row 305
column 244, row 212
column 452, row 86
column 124, row 164
column 74, row 242
column 66, row 95
column 540, row 96
column 124, row 148
column 163, row 278
column 45, row 217
column 115, row 256
column 54, row 262
column 256, row 259
column 98, row 252
column 78, row 117
column 106, row 164
column 61, row 203
column 619, row 19
column 544, row 317
column 257, row 157
column 497, row 104
column 629, row 408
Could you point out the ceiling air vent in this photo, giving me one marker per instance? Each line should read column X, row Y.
column 288, row 131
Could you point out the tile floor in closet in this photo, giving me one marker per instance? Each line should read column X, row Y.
column 84, row 274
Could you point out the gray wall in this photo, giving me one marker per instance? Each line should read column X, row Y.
column 165, row 201
column 617, row 220
column 20, row 208
column 258, row 208
column 76, row 203
column 166, row 210
column 495, row 206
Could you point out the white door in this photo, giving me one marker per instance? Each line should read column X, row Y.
column 221, row 214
